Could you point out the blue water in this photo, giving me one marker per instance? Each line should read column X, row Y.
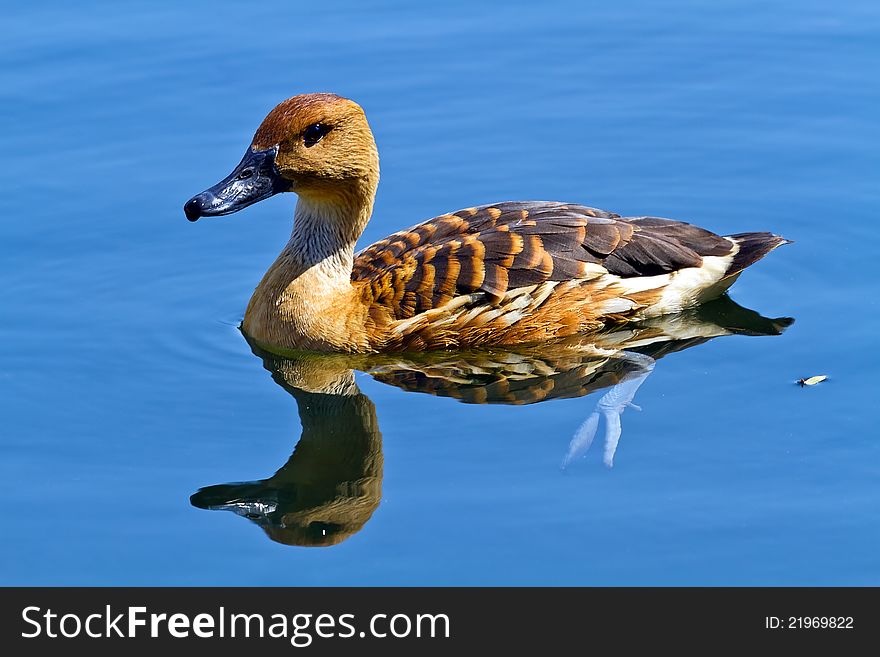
column 127, row 387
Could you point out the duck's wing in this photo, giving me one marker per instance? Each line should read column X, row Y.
column 493, row 249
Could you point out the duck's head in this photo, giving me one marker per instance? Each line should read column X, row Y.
column 317, row 145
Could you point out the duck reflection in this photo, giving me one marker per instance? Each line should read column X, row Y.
column 332, row 483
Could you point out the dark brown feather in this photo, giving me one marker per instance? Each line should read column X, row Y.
column 496, row 248
column 753, row 247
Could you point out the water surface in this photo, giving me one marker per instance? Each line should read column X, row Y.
column 127, row 387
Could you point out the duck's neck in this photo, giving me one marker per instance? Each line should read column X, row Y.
column 305, row 300
column 323, row 237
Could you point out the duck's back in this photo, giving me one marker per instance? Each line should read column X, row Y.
column 530, row 271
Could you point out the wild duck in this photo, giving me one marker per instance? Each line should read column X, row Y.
column 500, row 274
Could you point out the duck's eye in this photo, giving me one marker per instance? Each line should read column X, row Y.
column 246, row 173
column 313, row 134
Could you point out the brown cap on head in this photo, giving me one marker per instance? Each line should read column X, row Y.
column 290, row 117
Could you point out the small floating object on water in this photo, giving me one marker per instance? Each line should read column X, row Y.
column 811, row 381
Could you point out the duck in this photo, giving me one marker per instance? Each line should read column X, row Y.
column 507, row 273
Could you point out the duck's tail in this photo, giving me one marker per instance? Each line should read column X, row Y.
column 752, row 247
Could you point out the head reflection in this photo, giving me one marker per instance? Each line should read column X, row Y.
column 332, row 483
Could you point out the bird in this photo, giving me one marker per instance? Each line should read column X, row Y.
column 507, row 273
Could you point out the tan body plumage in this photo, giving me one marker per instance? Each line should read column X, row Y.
column 502, row 274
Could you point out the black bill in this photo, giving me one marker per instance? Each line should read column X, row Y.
column 254, row 179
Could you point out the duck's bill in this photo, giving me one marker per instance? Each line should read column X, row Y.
column 255, row 178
